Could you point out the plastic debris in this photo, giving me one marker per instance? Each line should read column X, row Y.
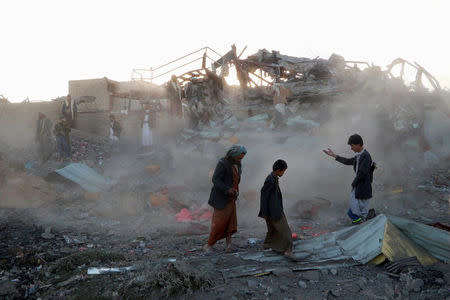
column 253, row 241
column 184, row 215
column 201, row 214
column 98, row 271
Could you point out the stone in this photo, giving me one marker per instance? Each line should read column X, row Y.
column 8, row 289
column 302, row 284
column 336, row 292
column 389, row 290
column 334, row 271
column 404, row 277
column 416, row 285
column 68, row 281
column 252, row 284
column 440, row 281
column 383, row 277
column 324, row 271
column 283, row 272
column 66, row 250
column 362, row 283
column 312, row 275
column 443, row 292
column 284, row 288
column 47, row 236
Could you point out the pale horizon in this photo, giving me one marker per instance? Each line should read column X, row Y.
column 47, row 43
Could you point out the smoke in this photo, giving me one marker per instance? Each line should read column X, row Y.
column 390, row 123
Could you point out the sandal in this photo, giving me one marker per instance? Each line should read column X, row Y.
column 231, row 250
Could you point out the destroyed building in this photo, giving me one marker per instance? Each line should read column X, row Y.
column 124, row 223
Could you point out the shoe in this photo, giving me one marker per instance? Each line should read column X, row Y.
column 371, row 214
column 357, row 221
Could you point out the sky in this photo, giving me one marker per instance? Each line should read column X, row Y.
column 44, row 44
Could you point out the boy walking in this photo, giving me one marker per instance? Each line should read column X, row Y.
column 362, row 184
column 279, row 235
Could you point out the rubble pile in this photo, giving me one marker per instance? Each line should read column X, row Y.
column 86, row 148
column 124, row 221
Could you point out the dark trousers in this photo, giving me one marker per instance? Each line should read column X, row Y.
column 63, row 148
column 279, row 236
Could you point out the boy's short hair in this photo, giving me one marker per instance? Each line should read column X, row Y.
column 279, row 165
column 355, row 139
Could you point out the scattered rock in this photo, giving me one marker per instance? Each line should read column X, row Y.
column 416, row 285
column 443, row 291
column 283, row 272
column 47, row 234
column 324, row 271
column 312, row 275
column 66, row 250
column 270, row 290
column 252, row 284
column 383, row 277
column 362, row 283
column 336, row 292
column 284, row 288
column 334, row 271
column 440, row 281
column 389, row 290
column 8, row 289
column 405, row 277
column 68, row 281
column 302, row 284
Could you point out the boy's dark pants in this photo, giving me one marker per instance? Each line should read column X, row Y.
column 279, row 235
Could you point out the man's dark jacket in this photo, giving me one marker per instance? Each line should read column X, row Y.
column 364, row 177
column 271, row 199
column 222, row 182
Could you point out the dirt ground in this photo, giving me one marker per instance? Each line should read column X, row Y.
column 52, row 232
column 46, row 251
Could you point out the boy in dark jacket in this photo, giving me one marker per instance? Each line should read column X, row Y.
column 362, row 184
column 279, row 235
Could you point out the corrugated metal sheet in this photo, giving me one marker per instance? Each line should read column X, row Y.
column 436, row 241
column 397, row 245
column 86, row 177
column 349, row 246
column 363, row 243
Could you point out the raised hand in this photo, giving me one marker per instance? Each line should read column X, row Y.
column 329, row 152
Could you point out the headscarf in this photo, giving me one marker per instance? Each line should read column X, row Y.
column 235, row 150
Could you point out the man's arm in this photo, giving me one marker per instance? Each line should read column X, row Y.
column 343, row 160
column 363, row 170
